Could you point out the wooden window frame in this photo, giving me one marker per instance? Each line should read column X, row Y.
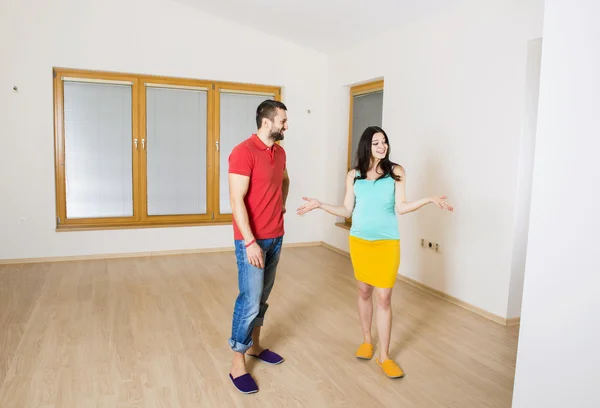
column 362, row 89
column 140, row 219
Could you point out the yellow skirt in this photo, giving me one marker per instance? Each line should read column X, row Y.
column 375, row 263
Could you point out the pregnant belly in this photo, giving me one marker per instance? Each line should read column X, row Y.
column 378, row 227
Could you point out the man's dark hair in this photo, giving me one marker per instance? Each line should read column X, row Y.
column 268, row 109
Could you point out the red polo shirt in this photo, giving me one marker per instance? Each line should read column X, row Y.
column 264, row 202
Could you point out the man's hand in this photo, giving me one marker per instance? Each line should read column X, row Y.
column 283, row 210
column 255, row 255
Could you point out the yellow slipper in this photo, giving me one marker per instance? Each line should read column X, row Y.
column 391, row 369
column 365, row 351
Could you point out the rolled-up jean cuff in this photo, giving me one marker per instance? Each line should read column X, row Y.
column 239, row 347
column 259, row 321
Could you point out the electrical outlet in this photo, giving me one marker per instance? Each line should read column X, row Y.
column 22, row 222
column 431, row 245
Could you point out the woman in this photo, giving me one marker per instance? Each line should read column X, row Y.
column 375, row 193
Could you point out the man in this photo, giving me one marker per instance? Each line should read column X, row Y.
column 258, row 188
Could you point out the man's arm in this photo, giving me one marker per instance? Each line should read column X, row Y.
column 238, row 187
column 285, row 187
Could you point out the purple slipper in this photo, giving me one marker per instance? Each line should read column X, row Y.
column 268, row 357
column 245, row 384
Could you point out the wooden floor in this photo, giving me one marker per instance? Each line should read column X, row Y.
column 152, row 332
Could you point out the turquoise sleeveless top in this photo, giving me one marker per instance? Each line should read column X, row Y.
column 374, row 215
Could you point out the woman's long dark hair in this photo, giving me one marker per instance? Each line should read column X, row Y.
column 364, row 155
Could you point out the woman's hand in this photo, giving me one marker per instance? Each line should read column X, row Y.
column 312, row 203
column 441, row 202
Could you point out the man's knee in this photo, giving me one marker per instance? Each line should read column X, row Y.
column 253, row 306
column 247, row 306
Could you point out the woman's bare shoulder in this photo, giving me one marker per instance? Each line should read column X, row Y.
column 398, row 170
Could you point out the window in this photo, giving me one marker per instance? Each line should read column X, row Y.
column 135, row 150
column 366, row 109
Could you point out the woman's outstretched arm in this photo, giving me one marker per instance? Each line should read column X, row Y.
column 405, row 207
column 344, row 210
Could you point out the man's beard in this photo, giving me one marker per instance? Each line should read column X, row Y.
column 276, row 135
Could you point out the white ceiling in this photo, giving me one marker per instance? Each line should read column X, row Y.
column 324, row 25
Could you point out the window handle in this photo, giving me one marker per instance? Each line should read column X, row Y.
column 143, row 144
column 217, row 144
column 135, row 143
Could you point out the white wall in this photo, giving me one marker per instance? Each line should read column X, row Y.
column 160, row 37
column 453, row 108
column 559, row 354
column 524, row 178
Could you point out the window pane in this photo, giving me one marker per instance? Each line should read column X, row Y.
column 367, row 111
column 176, row 151
column 238, row 122
column 98, row 155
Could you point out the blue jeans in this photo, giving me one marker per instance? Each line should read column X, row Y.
column 255, row 285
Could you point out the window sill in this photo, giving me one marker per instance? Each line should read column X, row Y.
column 344, row 225
column 84, row 227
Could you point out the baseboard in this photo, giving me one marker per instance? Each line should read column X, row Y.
column 334, row 249
column 442, row 295
column 139, row 254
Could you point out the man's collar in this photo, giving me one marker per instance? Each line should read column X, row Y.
column 260, row 145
